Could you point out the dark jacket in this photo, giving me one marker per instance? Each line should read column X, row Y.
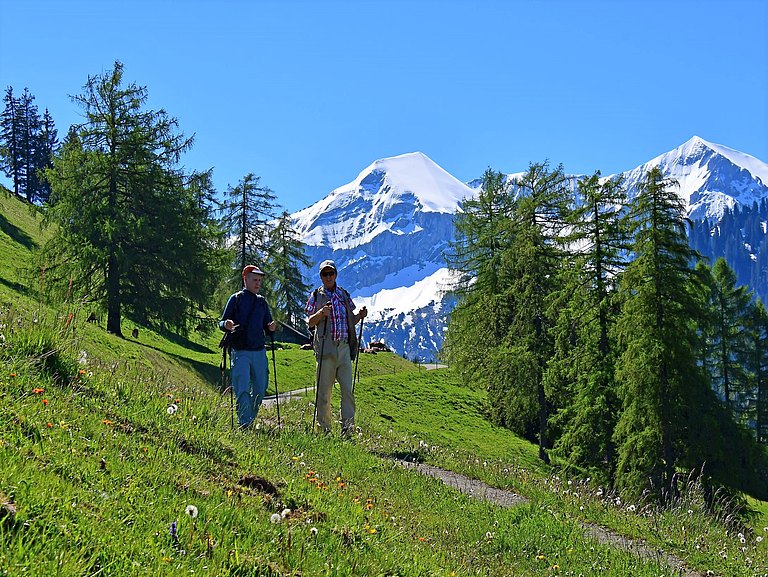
column 251, row 312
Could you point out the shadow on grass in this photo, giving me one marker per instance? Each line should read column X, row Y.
column 184, row 342
column 211, row 374
column 16, row 233
column 15, row 286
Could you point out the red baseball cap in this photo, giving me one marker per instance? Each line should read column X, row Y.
column 254, row 269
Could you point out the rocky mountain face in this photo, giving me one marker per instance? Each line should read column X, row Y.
column 388, row 229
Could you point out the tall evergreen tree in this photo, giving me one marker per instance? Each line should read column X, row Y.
column 585, row 354
column 10, row 140
column 756, row 364
column 28, row 145
column 482, row 235
column 730, row 305
column 286, row 259
column 531, row 262
column 130, row 232
column 661, row 384
column 45, row 148
column 248, row 214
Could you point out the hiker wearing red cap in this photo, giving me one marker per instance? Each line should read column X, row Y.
column 246, row 318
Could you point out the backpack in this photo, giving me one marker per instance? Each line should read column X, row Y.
column 236, row 339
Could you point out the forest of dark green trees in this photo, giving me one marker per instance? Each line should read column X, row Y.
column 133, row 235
column 602, row 335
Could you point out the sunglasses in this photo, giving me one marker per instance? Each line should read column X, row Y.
column 328, row 273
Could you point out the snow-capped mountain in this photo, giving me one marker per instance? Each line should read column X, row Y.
column 711, row 177
column 387, row 230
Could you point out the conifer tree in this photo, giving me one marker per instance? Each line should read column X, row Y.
column 755, row 362
column 29, row 121
column 730, row 306
column 581, row 371
column 27, row 146
column 10, row 140
column 45, row 148
column 248, row 213
column 482, row 235
column 286, row 259
column 130, row 233
column 660, row 382
column 531, row 262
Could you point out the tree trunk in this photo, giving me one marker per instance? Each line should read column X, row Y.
column 113, row 296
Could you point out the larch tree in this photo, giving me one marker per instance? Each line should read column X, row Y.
column 661, row 385
column 532, row 261
column 755, row 362
column 285, row 262
column 581, row 373
column 730, row 306
column 129, row 231
column 482, row 235
column 248, row 215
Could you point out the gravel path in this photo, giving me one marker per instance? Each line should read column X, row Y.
column 503, row 498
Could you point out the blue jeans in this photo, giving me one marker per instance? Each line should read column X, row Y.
column 249, row 374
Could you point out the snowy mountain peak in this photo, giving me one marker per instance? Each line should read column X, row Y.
column 711, row 177
column 415, row 173
column 391, row 195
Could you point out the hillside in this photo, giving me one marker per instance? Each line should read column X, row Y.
column 119, row 458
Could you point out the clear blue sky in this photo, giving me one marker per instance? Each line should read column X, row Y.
column 306, row 94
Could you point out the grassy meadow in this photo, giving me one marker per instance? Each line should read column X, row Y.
column 118, row 457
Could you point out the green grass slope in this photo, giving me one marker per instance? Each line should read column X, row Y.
column 118, row 457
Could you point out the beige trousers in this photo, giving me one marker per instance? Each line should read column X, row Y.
column 338, row 368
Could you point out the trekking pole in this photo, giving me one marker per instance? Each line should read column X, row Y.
column 356, row 375
column 226, row 385
column 274, row 370
column 319, row 371
column 231, row 393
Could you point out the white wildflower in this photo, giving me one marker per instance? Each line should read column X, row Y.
column 83, row 360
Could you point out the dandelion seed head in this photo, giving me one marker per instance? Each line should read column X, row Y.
column 191, row 510
column 313, row 530
column 275, row 518
column 285, row 512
